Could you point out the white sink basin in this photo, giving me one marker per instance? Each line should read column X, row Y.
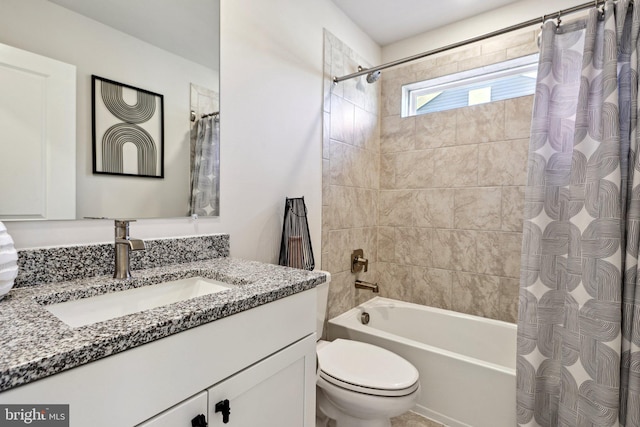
column 86, row 311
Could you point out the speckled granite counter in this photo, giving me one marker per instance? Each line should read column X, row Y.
column 35, row 344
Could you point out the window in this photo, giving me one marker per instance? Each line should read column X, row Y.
column 505, row 80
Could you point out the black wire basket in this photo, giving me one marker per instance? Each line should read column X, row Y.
column 295, row 246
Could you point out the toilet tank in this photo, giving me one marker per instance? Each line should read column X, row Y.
column 322, row 296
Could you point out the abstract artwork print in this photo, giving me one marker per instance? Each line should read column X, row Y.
column 128, row 130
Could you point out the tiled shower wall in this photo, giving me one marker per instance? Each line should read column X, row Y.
column 351, row 165
column 434, row 200
column 452, row 190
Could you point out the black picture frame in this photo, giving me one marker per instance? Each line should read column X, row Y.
column 128, row 129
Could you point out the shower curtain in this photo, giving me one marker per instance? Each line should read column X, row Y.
column 579, row 319
column 205, row 168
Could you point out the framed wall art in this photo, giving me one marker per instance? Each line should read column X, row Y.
column 128, row 130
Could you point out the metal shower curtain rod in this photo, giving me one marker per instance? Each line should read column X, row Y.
column 555, row 15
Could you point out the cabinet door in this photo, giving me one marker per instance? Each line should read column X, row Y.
column 278, row 391
column 181, row 414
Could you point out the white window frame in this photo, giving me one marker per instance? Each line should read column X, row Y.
column 410, row 92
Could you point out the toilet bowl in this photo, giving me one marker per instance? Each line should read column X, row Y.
column 359, row 384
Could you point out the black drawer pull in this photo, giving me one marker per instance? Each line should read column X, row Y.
column 223, row 406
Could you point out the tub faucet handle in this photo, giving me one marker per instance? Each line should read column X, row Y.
column 358, row 261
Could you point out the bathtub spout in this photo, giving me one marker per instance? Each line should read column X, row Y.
column 361, row 284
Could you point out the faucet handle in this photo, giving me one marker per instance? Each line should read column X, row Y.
column 358, row 261
column 122, row 228
column 363, row 262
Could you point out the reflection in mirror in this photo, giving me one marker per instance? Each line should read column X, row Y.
column 205, row 152
column 162, row 46
column 37, row 136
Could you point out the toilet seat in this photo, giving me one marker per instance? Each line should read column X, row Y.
column 367, row 369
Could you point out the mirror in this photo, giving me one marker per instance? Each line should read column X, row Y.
column 165, row 47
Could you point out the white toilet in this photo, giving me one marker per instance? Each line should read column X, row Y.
column 359, row 384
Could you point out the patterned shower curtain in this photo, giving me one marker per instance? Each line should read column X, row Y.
column 579, row 320
column 205, row 169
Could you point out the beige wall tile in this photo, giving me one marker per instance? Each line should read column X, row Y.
column 413, row 246
column 353, row 166
column 457, row 55
column 503, row 162
column 352, row 207
column 341, row 294
column 418, row 66
column 523, row 50
column 342, row 116
column 324, row 263
column 455, row 166
column 510, row 40
column 395, row 208
column 326, row 131
column 344, row 242
column 427, row 73
column 387, row 244
column 436, row 129
column 353, row 88
column 455, row 250
column 387, row 171
column 476, row 294
column 337, row 69
column 482, row 60
column 481, row 123
column 414, row 169
column 372, row 98
column 431, row 287
column 512, row 208
column 326, row 181
column 366, row 130
column 509, row 289
column 397, row 134
column 434, row 208
column 352, row 160
column 518, row 113
column 499, row 253
column 391, row 99
column 404, row 73
column 394, row 281
column 444, row 229
column 478, row 208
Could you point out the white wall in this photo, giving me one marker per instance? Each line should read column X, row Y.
column 271, row 103
column 485, row 23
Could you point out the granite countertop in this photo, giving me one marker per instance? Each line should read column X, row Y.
column 35, row 344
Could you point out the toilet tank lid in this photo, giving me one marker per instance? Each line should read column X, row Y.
column 366, row 365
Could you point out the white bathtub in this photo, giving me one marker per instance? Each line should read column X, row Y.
column 466, row 363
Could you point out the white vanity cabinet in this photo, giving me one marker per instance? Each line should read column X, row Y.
column 181, row 414
column 267, row 394
column 271, row 393
column 261, row 360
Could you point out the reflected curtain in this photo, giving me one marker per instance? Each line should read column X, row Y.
column 578, row 360
column 205, row 168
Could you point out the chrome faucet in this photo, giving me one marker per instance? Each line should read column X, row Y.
column 123, row 245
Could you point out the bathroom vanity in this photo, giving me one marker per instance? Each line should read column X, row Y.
column 245, row 355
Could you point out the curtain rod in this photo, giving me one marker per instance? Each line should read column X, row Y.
column 555, row 15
